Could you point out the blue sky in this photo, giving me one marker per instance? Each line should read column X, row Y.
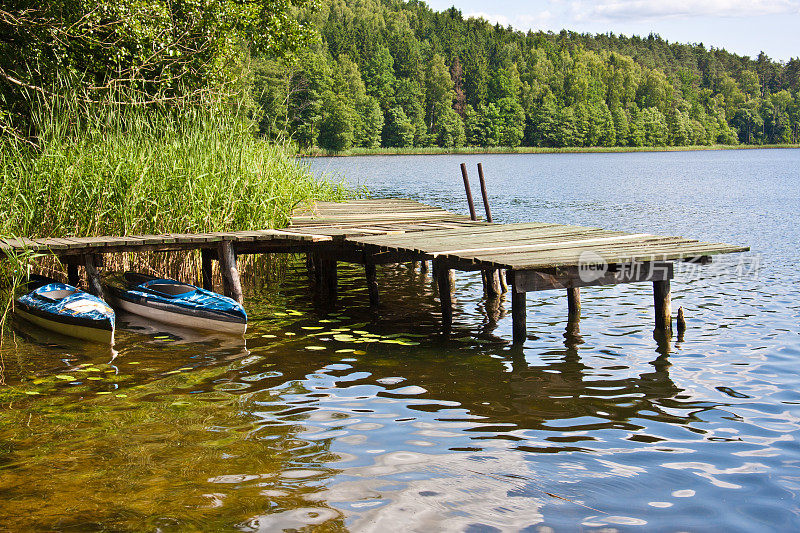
column 741, row 26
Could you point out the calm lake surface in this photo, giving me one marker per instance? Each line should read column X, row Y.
column 360, row 421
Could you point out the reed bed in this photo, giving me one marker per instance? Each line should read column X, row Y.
column 122, row 170
column 149, row 173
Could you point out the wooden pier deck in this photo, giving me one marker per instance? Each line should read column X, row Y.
column 536, row 256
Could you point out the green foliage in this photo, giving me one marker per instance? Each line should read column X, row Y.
column 154, row 50
column 533, row 89
column 451, row 129
column 126, row 171
column 398, row 130
column 336, row 128
column 369, row 127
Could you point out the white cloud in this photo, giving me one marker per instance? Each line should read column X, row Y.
column 639, row 10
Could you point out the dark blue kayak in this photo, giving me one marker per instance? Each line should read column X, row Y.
column 66, row 310
column 173, row 302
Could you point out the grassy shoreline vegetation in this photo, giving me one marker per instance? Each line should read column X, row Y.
column 134, row 171
column 476, row 150
column 127, row 117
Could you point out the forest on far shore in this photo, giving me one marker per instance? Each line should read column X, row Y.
column 388, row 73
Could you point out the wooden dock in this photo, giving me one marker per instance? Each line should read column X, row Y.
column 535, row 256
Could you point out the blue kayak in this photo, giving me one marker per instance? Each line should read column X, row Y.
column 67, row 310
column 174, row 302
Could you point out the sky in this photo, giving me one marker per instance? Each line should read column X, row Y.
column 745, row 27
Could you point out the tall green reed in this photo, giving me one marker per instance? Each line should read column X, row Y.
column 132, row 170
column 120, row 169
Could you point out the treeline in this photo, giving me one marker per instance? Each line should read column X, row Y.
column 398, row 74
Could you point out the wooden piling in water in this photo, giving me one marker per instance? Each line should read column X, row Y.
column 518, row 317
column 468, row 190
column 328, row 279
column 443, row 284
column 230, row 272
column 484, row 194
column 663, row 305
column 492, row 284
column 73, row 277
column 93, row 276
column 574, row 303
column 372, row 284
column 681, row 321
column 206, row 269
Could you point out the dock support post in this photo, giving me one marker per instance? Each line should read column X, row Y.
column 328, row 279
column 663, row 305
column 205, row 267
column 230, row 272
column 501, row 274
column 72, row 274
column 93, row 276
column 372, row 284
column 574, row 303
column 518, row 317
column 445, row 287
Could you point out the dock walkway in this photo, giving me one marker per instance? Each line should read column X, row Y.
column 536, row 256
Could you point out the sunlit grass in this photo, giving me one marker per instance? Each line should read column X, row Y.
column 149, row 172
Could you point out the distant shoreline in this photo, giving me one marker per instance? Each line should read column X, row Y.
column 470, row 150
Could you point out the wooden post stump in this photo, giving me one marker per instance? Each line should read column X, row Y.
column 328, row 279
column 518, row 317
column 206, row 269
column 491, row 282
column 372, row 284
column 230, row 272
column 663, row 305
column 574, row 303
column 501, row 274
column 93, row 276
column 73, row 278
column 444, row 285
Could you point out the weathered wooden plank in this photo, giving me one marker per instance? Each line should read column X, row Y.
column 574, row 277
column 501, row 247
column 485, row 229
column 543, row 260
column 528, row 246
column 515, row 242
column 569, row 248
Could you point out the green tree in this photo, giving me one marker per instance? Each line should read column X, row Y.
column 654, row 127
column 621, row 125
column 398, row 131
column 155, row 51
column 336, row 127
column 438, row 90
column 451, row 129
column 512, row 122
column 379, row 77
column 368, row 129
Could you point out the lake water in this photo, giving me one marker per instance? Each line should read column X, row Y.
column 362, row 421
